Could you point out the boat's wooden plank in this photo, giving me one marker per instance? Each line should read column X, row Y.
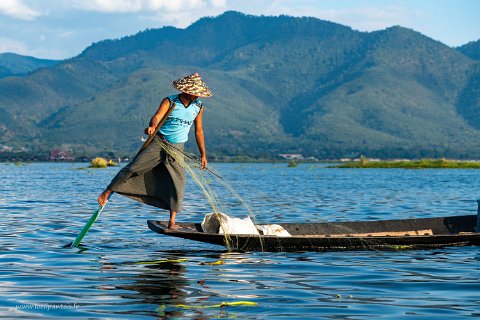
column 426, row 232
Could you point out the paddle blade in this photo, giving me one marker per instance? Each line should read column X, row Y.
column 87, row 227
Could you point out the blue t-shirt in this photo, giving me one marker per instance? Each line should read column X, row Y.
column 176, row 127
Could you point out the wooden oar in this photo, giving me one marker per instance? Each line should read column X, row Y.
column 87, row 226
column 92, row 219
column 159, row 125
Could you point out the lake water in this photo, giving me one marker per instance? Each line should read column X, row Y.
column 126, row 271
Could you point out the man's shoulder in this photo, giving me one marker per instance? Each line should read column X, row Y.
column 173, row 98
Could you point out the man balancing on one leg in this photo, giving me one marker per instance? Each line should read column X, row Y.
column 155, row 176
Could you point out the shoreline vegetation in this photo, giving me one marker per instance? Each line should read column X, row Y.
column 361, row 162
column 411, row 164
column 102, row 163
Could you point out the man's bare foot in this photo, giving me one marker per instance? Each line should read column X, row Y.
column 171, row 222
column 103, row 197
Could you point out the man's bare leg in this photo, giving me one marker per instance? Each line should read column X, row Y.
column 171, row 222
column 103, row 197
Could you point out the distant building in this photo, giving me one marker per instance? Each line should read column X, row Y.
column 367, row 159
column 4, row 148
column 60, row 155
column 291, row 156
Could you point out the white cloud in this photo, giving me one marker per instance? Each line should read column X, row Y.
column 66, row 34
column 362, row 17
column 174, row 6
column 180, row 13
column 114, row 6
column 183, row 5
column 374, row 18
column 219, row 3
column 48, row 52
column 154, row 13
column 9, row 45
column 17, row 9
column 134, row 6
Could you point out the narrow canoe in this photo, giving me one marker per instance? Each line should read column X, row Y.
column 421, row 233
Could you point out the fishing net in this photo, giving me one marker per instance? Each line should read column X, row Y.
column 203, row 179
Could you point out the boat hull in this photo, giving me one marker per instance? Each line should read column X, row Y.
column 423, row 233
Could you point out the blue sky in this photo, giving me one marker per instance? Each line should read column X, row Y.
column 60, row 29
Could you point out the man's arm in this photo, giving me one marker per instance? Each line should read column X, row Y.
column 162, row 109
column 201, row 139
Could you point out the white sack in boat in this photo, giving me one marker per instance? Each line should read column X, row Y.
column 273, row 230
column 223, row 224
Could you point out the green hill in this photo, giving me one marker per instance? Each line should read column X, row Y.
column 471, row 49
column 12, row 64
column 281, row 85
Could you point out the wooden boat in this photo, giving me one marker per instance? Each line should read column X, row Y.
column 422, row 233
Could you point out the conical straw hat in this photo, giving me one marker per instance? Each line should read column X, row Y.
column 192, row 84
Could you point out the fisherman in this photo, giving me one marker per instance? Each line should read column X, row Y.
column 155, row 176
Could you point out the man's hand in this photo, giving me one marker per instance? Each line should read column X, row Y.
column 204, row 163
column 103, row 197
column 150, row 130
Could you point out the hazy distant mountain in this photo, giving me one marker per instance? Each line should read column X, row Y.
column 281, row 85
column 471, row 49
column 12, row 64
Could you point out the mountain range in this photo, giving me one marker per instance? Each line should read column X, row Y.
column 281, row 85
column 471, row 49
column 12, row 64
